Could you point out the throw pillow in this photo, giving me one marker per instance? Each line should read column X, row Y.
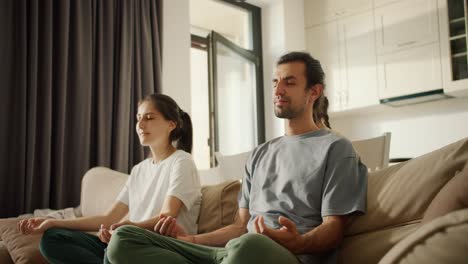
column 440, row 241
column 22, row 248
column 218, row 206
column 453, row 196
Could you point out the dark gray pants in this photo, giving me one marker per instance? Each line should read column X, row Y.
column 70, row 246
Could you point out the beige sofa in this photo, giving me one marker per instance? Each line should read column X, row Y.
column 417, row 212
column 100, row 187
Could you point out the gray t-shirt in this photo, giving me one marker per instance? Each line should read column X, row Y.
column 304, row 178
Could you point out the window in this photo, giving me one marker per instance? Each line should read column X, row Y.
column 227, row 81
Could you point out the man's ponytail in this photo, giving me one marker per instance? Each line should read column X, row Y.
column 320, row 112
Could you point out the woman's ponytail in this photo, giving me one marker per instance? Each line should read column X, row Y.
column 184, row 142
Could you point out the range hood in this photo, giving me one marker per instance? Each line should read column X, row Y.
column 415, row 98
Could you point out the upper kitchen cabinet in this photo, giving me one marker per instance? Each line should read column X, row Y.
column 406, row 24
column 323, row 44
column 408, row 49
column 357, row 44
column 346, row 50
column 409, row 72
column 453, row 36
column 322, row 11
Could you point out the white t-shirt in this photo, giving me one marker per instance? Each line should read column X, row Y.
column 149, row 184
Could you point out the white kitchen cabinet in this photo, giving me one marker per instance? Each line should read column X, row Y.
column 409, row 71
column 453, row 41
column 408, row 48
column 346, row 49
column 323, row 44
column 359, row 58
column 398, row 49
column 321, row 11
column 406, row 24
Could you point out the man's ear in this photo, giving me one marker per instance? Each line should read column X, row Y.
column 316, row 91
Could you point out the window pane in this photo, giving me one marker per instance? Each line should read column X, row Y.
column 236, row 102
column 200, row 108
column 228, row 20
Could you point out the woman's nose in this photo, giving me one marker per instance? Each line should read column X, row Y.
column 140, row 124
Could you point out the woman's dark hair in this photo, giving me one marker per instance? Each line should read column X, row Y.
column 169, row 109
column 314, row 75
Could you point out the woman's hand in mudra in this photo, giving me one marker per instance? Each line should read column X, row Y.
column 34, row 225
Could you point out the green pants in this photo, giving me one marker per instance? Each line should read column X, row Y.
column 71, row 246
column 130, row 244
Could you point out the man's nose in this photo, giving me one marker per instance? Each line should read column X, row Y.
column 279, row 89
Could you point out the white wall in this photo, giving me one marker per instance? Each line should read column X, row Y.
column 176, row 52
column 282, row 31
column 416, row 129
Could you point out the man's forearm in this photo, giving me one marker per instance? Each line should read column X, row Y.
column 325, row 237
column 221, row 236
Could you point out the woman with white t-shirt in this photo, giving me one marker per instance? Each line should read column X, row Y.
column 166, row 184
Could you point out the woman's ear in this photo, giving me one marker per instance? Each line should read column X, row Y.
column 172, row 125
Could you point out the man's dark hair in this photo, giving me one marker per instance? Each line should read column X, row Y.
column 314, row 75
column 313, row 69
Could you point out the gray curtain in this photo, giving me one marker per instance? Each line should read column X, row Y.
column 71, row 74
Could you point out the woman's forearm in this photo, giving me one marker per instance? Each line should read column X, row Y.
column 147, row 224
column 90, row 223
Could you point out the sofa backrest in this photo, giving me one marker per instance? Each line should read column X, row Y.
column 400, row 194
column 230, row 168
column 99, row 189
column 397, row 199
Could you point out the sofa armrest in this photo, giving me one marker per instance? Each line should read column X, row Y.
column 99, row 189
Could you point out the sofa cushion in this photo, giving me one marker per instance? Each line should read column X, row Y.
column 218, row 206
column 401, row 194
column 443, row 240
column 372, row 246
column 96, row 200
column 453, row 196
column 22, row 248
column 4, row 255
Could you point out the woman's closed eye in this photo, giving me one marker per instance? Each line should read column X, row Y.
column 145, row 117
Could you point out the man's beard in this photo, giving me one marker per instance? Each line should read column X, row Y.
column 288, row 112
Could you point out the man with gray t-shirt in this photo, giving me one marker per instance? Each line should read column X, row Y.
column 296, row 195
